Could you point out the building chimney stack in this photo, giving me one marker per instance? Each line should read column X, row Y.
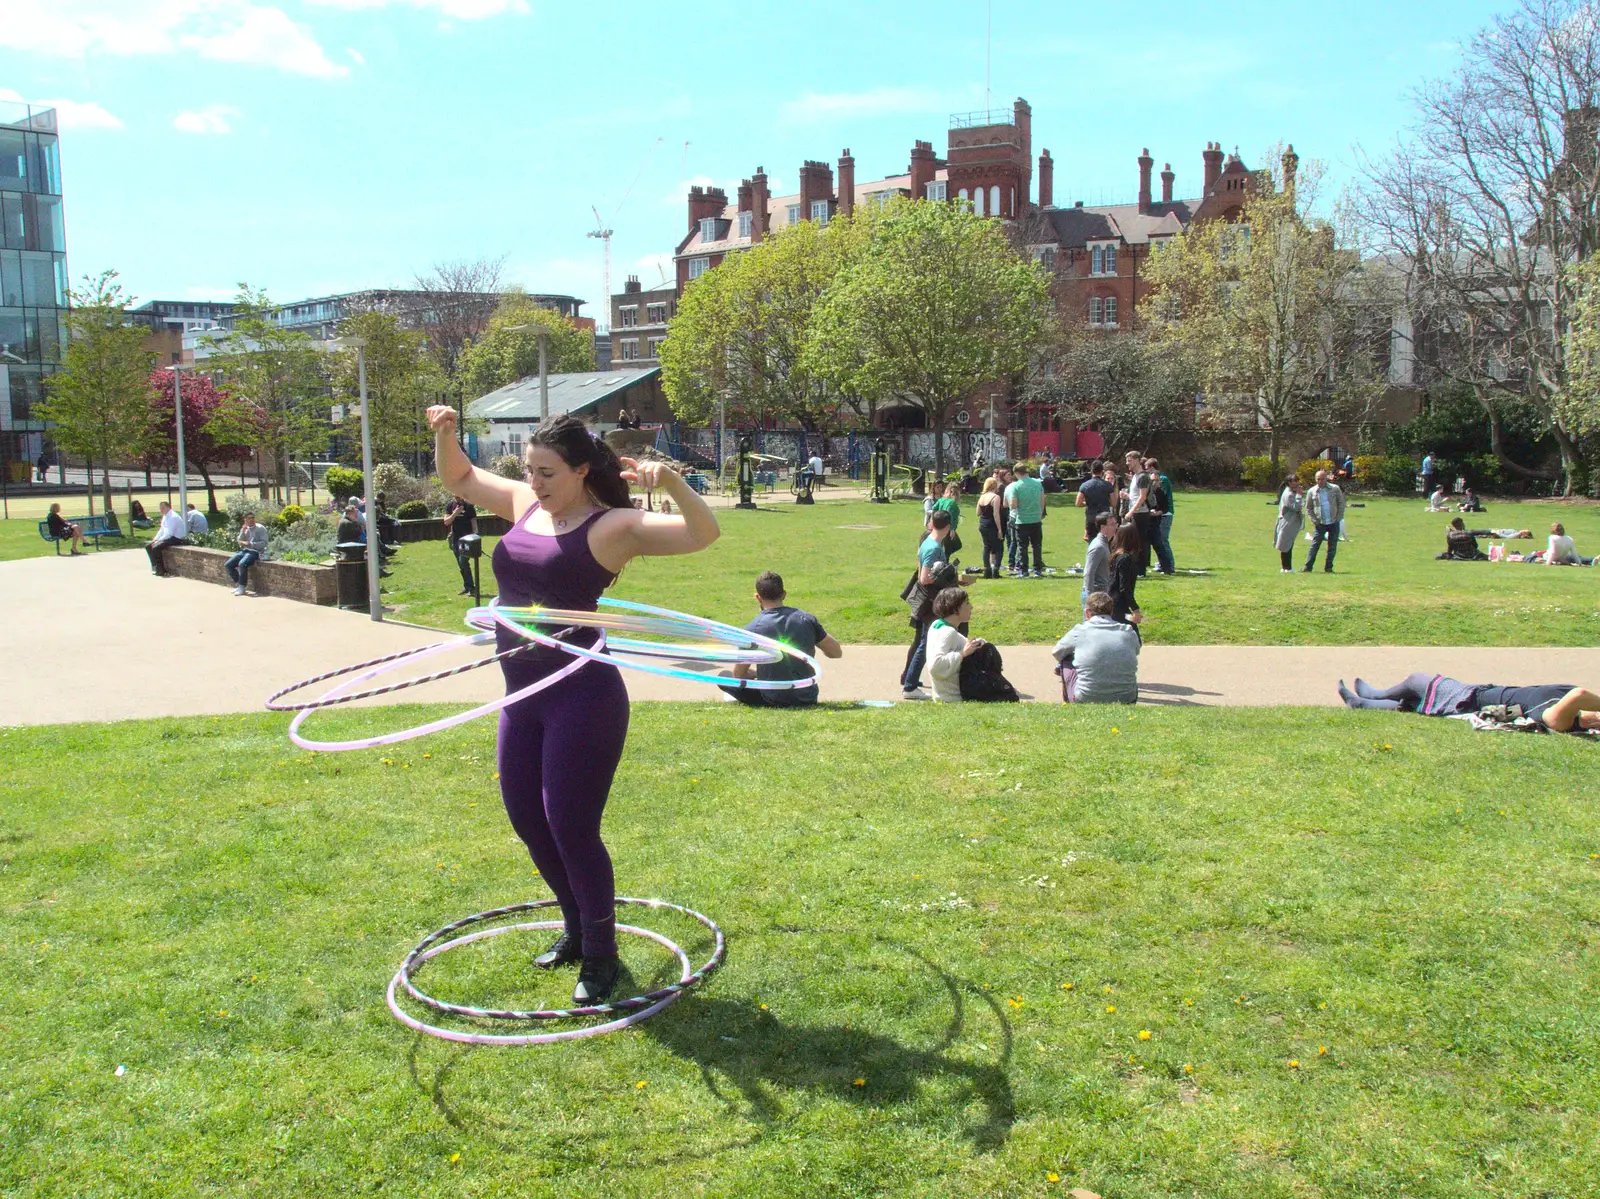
column 1167, row 178
column 1213, row 164
column 847, row 183
column 1022, row 119
column 924, row 162
column 744, row 195
column 760, row 205
column 1047, row 180
column 705, row 202
column 1291, row 167
column 1146, row 164
column 632, row 285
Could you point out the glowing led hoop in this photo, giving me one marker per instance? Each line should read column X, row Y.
column 639, row 1007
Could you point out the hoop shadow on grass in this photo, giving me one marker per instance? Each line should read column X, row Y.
column 761, row 1056
column 750, row 1059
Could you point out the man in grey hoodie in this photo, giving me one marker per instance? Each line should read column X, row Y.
column 1097, row 558
column 1099, row 659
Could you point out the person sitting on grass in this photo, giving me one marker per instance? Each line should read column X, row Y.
column 793, row 627
column 964, row 670
column 1439, row 501
column 1461, row 543
column 252, row 545
column 1098, row 660
column 1469, row 502
column 1561, row 551
column 61, row 529
column 1561, row 707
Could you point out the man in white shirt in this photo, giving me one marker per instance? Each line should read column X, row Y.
column 196, row 522
column 171, row 532
column 816, row 469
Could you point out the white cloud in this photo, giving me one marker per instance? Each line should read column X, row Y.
column 463, row 10
column 214, row 118
column 223, row 30
column 824, row 106
column 356, row 57
column 72, row 114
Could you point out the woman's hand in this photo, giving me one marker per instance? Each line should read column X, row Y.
column 442, row 419
column 1136, row 617
column 973, row 646
column 651, row 475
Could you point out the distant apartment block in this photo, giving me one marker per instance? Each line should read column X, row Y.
column 639, row 323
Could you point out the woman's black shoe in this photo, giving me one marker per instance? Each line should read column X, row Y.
column 566, row 948
column 597, row 978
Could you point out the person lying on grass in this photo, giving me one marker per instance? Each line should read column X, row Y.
column 1562, row 707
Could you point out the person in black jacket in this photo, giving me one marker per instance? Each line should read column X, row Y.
column 1126, row 553
column 1461, row 544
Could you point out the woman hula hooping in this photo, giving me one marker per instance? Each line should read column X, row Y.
column 573, row 529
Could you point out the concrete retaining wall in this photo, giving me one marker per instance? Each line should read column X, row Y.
column 285, row 580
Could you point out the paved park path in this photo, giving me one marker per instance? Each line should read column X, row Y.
column 103, row 639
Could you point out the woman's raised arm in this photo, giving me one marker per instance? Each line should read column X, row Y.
column 503, row 497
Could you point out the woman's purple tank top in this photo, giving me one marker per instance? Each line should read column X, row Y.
column 551, row 571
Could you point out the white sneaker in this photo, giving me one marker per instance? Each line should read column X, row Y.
column 913, row 693
column 238, row 590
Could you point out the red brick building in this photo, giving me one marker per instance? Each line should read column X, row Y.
column 639, row 317
column 1097, row 255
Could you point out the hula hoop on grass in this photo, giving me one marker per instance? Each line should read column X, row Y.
column 639, row 1007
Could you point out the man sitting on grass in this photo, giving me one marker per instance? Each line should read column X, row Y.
column 1099, row 659
column 792, row 627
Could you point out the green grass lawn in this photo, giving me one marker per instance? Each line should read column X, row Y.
column 1386, row 589
column 1368, row 896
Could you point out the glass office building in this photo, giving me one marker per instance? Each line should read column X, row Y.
column 33, row 278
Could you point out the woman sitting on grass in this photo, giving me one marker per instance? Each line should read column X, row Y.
column 1562, row 707
column 1561, row 551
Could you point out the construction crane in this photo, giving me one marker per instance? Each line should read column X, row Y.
column 604, row 234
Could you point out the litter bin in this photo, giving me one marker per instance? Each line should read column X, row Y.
column 352, row 568
column 469, row 548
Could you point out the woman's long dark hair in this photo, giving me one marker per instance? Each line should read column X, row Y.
column 570, row 437
column 1127, row 541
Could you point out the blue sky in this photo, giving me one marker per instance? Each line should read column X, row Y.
column 316, row 146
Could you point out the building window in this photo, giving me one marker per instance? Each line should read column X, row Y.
column 819, row 211
column 1096, row 309
column 514, row 444
column 708, row 228
column 1111, row 312
column 657, row 314
column 937, row 190
column 994, row 200
column 794, row 214
column 746, row 219
column 629, row 315
column 977, row 200
column 630, row 349
column 655, row 346
column 698, row 267
column 1045, row 256
column 1103, row 260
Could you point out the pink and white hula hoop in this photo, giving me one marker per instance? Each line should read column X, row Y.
column 638, row 1008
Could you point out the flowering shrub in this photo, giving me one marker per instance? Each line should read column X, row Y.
column 1256, row 471
column 509, row 466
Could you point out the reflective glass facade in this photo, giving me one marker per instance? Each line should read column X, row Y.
column 33, row 278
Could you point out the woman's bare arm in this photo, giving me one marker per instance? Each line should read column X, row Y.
column 636, row 534
column 503, row 497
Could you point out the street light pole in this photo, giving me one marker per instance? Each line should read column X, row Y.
column 374, row 546
column 544, row 375
column 183, row 464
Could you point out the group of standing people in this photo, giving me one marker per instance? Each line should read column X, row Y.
column 1140, row 498
column 1011, row 511
column 1323, row 504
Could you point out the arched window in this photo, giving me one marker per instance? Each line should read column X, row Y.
column 964, row 197
column 994, row 200
column 978, row 197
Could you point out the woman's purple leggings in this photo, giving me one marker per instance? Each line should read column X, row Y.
column 558, row 752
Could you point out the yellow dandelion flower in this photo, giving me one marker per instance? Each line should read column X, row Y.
column 1106, row 990
column 639, row 1086
column 1066, row 986
column 1115, row 729
column 1188, row 1003
column 1322, row 1007
column 860, row 1082
column 1322, row 1051
column 1052, row 1176
column 497, row 776
column 1111, row 1008
column 1144, row 1034
column 1187, row 1068
column 763, row 1007
column 1294, row 1063
column 455, row 1157
column 1017, row 1002
column 426, row 756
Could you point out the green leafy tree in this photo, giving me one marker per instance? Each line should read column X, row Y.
column 739, row 336
column 1578, row 405
column 99, row 402
column 402, row 381
column 936, row 304
column 1118, row 383
column 278, row 373
column 1274, row 312
column 508, row 350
